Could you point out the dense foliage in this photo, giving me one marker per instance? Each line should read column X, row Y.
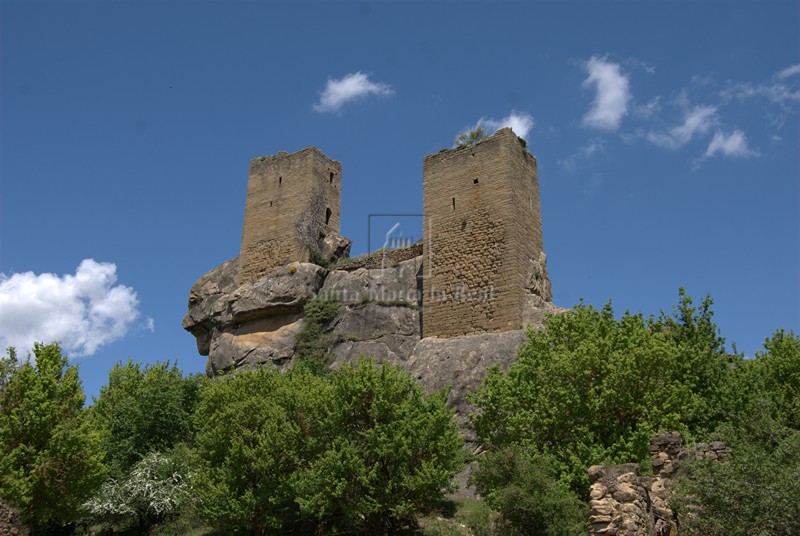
column 144, row 409
column 50, row 459
column 593, row 389
column 526, row 490
column 775, row 374
column 386, row 452
column 362, row 451
column 755, row 490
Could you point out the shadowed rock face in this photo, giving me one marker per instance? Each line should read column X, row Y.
column 256, row 324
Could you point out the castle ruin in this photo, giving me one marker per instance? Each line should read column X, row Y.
column 447, row 309
column 293, row 202
column 482, row 227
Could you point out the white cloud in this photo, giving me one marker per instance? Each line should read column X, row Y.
column 646, row 111
column 349, row 88
column 82, row 311
column 789, row 71
column 612, row 97
column 733, row 144
column 593, row 147
column 697, row 120
column 520, row 123
column 779, row 90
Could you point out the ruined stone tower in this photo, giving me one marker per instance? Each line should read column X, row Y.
column 482, row 230
column 289, row 198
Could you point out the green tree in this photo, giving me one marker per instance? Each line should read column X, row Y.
column 387, row 452
column 361, row 450
column 752, row 491
column 775, row 373
column 144, row 409
column 592, row 389
column 525, row 490
column 471, row 137
column 254, row 432
column 50, row 459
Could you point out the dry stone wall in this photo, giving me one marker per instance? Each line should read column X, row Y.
column 10, row 525
column 482, row 226
column 623, row 503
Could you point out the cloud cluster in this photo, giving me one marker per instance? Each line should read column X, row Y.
column 612, row 94
column 733, row 144
column 697, row 120
column 520, row 123
column 350, row 87
column 82, row 311
column 781, row 89
column 614, row 100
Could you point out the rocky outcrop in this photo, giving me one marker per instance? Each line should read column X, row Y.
column 284, row 293
column 253, row 324
column 334, row 247
column 382, row 258
column 460, row 363
column 380, row 314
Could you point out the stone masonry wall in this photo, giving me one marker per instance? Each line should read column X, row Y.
column 622, row 503
column 280, row 190
column 482, row 226
column 10, row 524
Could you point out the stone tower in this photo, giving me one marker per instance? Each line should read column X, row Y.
column 482, row 232
column 289, row 198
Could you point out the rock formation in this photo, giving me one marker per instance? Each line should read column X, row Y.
column 486, row 278
column 380, row 314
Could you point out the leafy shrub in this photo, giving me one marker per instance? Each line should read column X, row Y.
column 144, row 409
column 315, row 257
column 525, row 490
column 471, row 137
column 775, row 373
column 313, row 344
column 754, row 490
column 387, row 452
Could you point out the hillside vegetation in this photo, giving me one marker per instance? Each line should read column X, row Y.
column 363, row 450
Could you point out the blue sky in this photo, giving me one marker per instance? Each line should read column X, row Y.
column 666, row 135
